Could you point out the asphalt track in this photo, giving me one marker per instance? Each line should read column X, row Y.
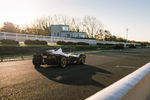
column 20, row 80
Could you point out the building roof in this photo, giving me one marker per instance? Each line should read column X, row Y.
column 60, row 25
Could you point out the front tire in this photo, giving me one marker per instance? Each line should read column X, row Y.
column 81, row 60
column 63, row 62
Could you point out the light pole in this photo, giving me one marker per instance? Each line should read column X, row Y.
column 127, row 34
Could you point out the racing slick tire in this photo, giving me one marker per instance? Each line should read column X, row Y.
column 81, row 60
column 63, row 62
column 37, row 60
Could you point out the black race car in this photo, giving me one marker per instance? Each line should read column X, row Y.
column 57, row 57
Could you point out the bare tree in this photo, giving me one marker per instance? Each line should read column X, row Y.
column 107, row 35
column 58, row 19
column 42, row 25
column 91, row 25
column 100, row 35
column 65, row 20
column 75, row 25
column 10, row 27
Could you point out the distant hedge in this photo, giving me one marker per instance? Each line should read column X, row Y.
column 9, row 42
column 35, row 42
column 61, row 42
column 114, row 46
column 71, row 43
column 118, row 46
column 131, row 46
column 82, row 43
column 143, row 44
column 105, row 44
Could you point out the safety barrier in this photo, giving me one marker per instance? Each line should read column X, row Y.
column 51, row 39
column 135, row 86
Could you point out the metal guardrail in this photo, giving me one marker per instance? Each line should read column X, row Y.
column 135, row 86
column 51, row 39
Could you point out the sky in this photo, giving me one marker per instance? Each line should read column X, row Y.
column 115, row 15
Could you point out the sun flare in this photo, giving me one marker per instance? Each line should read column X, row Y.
column 17, row 11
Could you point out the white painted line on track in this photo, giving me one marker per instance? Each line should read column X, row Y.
column 120, row 66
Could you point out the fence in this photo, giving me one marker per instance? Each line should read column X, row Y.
column 51, row 39
column 135, row 86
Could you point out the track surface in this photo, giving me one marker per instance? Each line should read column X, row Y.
column 21, row 80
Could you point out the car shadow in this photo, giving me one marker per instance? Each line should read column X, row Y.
column 73, row 74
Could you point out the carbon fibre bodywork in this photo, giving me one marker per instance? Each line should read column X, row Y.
column 52, row 57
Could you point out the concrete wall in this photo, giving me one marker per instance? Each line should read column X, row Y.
column 141, row 91
column 135, row 86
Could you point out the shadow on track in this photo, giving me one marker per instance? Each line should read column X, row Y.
column 73, row 74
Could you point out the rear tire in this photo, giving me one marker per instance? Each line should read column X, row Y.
column 37, row 61
column 63, row 62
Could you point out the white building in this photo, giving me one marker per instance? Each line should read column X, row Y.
column 63, row 31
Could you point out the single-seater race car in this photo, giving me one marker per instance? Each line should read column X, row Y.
column 57, row 57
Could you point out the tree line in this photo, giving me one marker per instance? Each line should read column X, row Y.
column 41, row 26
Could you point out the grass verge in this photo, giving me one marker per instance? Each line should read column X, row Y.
column 92, row 51
column 16, row 56
column 75, row 52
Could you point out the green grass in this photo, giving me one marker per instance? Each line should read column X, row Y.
column 16, row 56
column 148, row 46
column 21, row 44
column 75, row 45
column 92, row 51
column 53, row 44
column 8, row 45
column 49, row 44
column 76, row 52
column 83, row 52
